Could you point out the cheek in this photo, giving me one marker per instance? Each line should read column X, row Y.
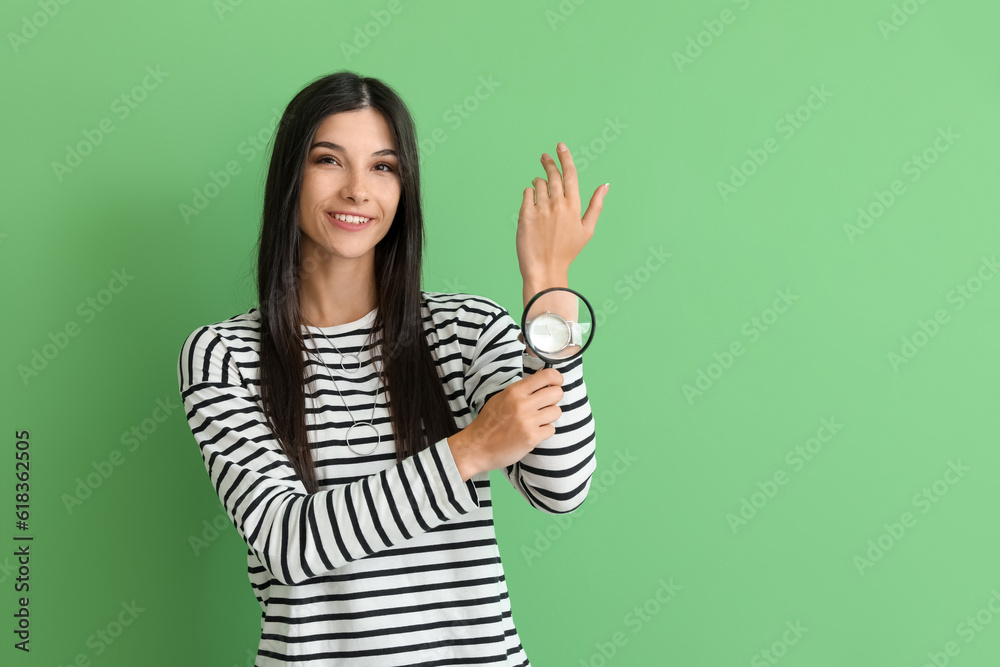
column 315, row 181
column 391, row 194
column 307, row 190
column 314, row 191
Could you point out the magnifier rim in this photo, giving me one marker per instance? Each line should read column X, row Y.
column 593, row 329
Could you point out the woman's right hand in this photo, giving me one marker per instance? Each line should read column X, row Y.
column 510, row 424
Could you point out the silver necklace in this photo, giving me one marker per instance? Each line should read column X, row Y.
column 356, row 424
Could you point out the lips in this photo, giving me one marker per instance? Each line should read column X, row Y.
column 347, row 225
column 351, row 213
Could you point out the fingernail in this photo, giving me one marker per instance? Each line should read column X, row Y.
column 607, row 186
column 561, row 146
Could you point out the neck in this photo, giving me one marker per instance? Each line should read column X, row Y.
column 335, row 291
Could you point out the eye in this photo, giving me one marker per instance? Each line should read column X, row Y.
column 324, row 159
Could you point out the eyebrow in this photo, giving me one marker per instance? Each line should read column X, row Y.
column 338, row 147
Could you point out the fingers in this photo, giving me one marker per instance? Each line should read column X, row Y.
column 541, row 379
column 541, row 189
column 545, row 396
column 594, row 209
column 550, row 397
column 559, row 185
column 549, row 415
column 555, row 179
column 569, row 180
column 527, row 199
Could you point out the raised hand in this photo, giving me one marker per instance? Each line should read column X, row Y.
column 550, row 231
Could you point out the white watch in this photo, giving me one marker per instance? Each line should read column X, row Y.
column 550, row 333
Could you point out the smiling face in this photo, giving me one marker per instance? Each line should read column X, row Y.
column 351, row 168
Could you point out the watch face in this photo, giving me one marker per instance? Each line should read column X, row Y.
column 548, row 333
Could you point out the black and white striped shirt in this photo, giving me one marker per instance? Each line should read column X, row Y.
column 390, row 563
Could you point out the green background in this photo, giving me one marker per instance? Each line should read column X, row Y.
column 609, row 79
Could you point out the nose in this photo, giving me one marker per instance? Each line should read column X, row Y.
column 355, row 187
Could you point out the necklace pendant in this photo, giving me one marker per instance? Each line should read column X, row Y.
column 343, row 366
column 374, row 446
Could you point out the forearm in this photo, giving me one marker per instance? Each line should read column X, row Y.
column 298, row 536
column 555, row 476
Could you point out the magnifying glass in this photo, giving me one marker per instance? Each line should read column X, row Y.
column 554, row 327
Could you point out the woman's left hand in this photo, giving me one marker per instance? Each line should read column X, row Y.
column 550, row 232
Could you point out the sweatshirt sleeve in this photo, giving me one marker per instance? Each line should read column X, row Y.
column 297, row 535
column 554, row 477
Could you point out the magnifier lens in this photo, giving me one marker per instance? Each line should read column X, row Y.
column 557, row 325
column 549, row 333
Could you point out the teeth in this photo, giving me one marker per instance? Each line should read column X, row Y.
column 353, row 219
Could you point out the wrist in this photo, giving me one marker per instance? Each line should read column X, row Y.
column 535, row 284
column 464, row 454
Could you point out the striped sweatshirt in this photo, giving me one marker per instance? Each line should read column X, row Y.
column 389, row 563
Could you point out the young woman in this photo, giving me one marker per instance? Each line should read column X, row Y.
column 349, row 424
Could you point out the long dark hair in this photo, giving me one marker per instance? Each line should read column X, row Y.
column 418, row 406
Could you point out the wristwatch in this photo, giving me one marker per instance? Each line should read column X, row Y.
column 550, row 333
